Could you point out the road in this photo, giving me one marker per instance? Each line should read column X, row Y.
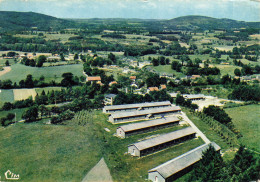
column 199, row 133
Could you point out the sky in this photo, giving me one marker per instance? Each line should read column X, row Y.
column 244, row 10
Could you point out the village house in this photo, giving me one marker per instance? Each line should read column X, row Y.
column 151, row 89
column 194, row 77
column 109, row 98
column 113, row 83
column 94, row 79
column 163, row 87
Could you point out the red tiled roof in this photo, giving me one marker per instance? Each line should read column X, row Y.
column 163, row 86
column 94, row 78
column 153, row 88
column 111, row 83
column 132, row 77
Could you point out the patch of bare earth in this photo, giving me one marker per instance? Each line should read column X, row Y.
column 6, row 70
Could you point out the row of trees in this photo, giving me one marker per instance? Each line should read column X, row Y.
column 244, row 167
column 160, row 61
column 34, row 63
column 180, row 100
column 125, row 98
column 68, row 80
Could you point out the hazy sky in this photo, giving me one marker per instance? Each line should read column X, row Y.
column 246, row 10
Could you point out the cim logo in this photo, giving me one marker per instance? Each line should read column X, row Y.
column 10, row 176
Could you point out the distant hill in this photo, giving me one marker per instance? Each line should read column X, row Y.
column 10, row 20
column 206, row 23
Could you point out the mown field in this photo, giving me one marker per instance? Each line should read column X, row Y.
column 167, row 69
column 20, row 72
column 67, row 152
column 11, row 95
column 6, row 96
column 17, row 112
column 246, row 119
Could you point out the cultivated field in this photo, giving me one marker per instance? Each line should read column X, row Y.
column 22, row 94
column 20, row 72
column 246, row 119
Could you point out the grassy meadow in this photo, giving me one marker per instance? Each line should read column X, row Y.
column 6, row 96
column 246, row 119
column 20, row 72
column 167, row 69
column 67, row 152
column 18, row 112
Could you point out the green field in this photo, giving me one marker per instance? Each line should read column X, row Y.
column 2, row 61
column 67, row 152
column 6, row 96
column 227, row 69
column 20, row 72
column 246, row 119
column 17, row 112
column 167, row 69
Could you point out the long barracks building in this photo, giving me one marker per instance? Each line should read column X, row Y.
column 143, row 114
column 146, row 126
column 152, row 145
column 178, row 166
column 135, row 107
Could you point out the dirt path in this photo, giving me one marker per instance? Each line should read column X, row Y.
column 6, row 70
column 99, row 173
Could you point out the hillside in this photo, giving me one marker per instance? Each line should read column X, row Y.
column 206, row 23
column 26, row 20
column 10, row 20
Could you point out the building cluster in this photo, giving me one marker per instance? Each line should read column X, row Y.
column 140, row 111
column 153, row 116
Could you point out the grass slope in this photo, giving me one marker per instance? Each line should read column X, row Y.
column 67, row 152
column 48, row 153
column 246, row 119
column 20, row 72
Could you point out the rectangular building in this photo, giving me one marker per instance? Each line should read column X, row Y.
column 146, row 126
column 143, row 114
column 135, row 107
column 194, row 97
column 161, row 142
column 178, row 166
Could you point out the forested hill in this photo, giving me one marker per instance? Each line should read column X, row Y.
column 10, row 20
column 207, row 23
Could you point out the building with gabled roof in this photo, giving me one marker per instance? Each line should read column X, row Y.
column 178, row 166
column 146, row 126
column 151, row 89
column 135, row 107
column 93, row 78
column 194, row 96
column 163, row 87
column 120, row 117
column 152, row 145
